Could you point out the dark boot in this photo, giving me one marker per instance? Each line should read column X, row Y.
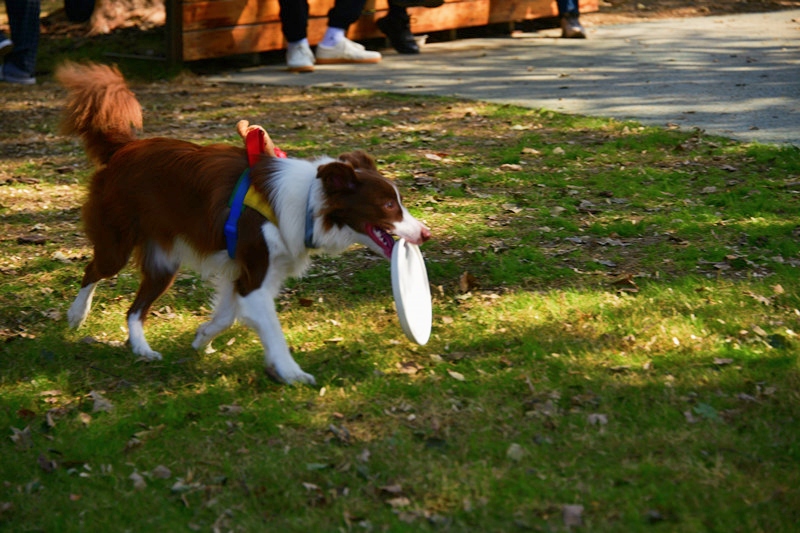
column 571, row 28
column 398, row 30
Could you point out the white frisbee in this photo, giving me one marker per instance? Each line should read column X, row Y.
column 412, row 293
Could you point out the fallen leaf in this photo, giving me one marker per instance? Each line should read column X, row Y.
column 392, row 489
column 625, row 284
column 558, row 151
column 37, row 240
column 48, row 465
column 132, row 444
column 573, row 515
column 515, row 452
column 138, row 481
column 512, row 208
column 511, row 167
column 149, row 433
column 761, row 299
column 22, row 438
column 85, row 418
column 706, row 411
column 722, row 361
column 363, row 456
column 231, row 409
column 597, row 419
column 182, row 486
column 26, row 414
column 342, row 434
column 467, row 282
column 409, row 367
column 402, row 501
column 100, row 403
column 456, row 375
column 161, row 472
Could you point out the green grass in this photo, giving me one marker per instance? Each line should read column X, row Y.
column 609, row 331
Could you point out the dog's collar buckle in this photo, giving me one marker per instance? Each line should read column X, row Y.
column 309, row 233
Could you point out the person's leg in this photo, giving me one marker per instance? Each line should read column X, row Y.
column 294, row 25
column 569, row 11
column 568, row 7
column 294, row 19
column 335, row 47
column 23, row 20
column 396, row 25
column 344, row 13
column 5, row 44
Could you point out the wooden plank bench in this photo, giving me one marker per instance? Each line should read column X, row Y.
column 203, row 29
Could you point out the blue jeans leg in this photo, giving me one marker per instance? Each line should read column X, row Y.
column 568, row 7
column 23, row 19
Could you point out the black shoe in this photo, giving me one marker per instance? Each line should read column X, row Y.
column 5, row 44
column 399, row 35
column 571, row 28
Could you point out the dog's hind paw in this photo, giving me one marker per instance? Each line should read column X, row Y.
column 290, row 378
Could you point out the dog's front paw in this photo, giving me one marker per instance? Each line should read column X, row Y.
column 290, row 377
column 200, row 344
column 80, row 307
column 76, row 317
column 148, row 354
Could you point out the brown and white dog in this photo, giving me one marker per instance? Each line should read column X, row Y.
column 165, row 201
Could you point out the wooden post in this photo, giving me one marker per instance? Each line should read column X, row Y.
column 174, row 32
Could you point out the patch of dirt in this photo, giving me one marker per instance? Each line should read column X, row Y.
column 626, row 11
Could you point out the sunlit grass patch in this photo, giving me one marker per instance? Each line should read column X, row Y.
column 615, row 327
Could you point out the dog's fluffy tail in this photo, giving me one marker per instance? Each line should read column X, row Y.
column 101, row 109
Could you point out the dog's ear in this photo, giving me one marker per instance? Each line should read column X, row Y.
column 337, row 177
column 359, row 159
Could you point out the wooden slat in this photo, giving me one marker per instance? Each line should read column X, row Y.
column 216, row 28
column 515, row 10
column 231, row 41
column 450, row 16
column 207, row 14
column 226, row 13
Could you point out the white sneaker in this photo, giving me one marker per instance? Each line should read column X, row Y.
column 300, row 58
column 346, row 52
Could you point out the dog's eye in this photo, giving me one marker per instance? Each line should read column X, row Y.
column 389, row 205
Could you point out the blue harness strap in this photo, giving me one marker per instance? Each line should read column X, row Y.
column 236, row 204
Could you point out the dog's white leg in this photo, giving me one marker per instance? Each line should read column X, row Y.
column 257, row 311
column 136, row 338
column 221, row 319
column 80, row 308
